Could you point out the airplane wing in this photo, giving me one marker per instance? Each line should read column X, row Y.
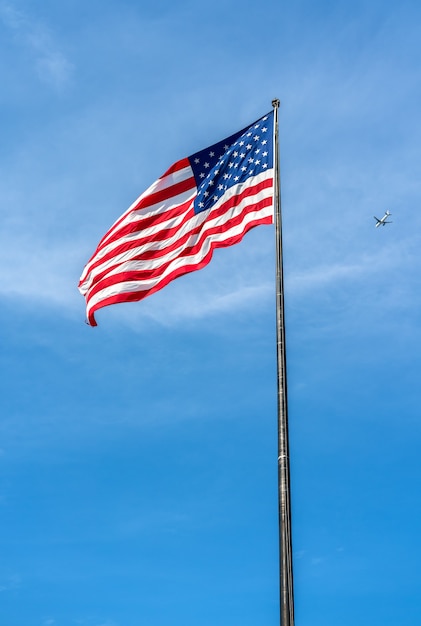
column 376, row 218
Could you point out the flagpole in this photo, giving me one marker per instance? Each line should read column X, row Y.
column 285, row 543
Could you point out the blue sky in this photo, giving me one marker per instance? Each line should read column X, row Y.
column 138, row 459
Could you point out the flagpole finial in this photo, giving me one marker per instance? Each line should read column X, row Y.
column 275, row 103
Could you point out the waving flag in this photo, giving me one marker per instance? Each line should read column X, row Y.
column 205, row 201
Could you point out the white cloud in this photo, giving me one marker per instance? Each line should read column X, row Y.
column 50, row 62
column 183, row 302
column 61, row 168
column 33, row 270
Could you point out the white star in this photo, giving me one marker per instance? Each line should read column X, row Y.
column 226, row 176
column 241, row 143
column 242, row 155
column 251, row 160
column 236, row 178
column 264, row 142
column 211, row 182
column 226, row 147
column 202, row 175
column 211, row 154
column 220, row 187
column 264, row 153
column 206, row 165
column 256, row 137
column 235, row 154
column 197, row 160
column 201, row 205
column 215, row 198
column 257, row 162
column 249, row 134
column 249, row 146
column 206, row 194
column 243, row 169
column 264, row 165
column 264, row 129
column 230, row 164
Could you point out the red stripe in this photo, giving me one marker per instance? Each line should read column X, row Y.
column 176, row 167
column 135, row 296
column 159, row 196
column 146, row 221
column 128, row 245
column 165, row 234
column 142, row 275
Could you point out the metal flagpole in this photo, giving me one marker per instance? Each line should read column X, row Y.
column 285, row 543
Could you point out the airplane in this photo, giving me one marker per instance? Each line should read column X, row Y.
column 383, row 220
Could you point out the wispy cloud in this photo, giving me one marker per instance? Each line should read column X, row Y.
column 394, row 265
column 51, row 64
column 362, row 266
column 316, row 277
column 182, row 303
column 33, row 271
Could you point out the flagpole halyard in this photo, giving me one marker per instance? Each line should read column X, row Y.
column 284, row 501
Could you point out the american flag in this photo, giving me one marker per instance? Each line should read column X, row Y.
column 205, row 201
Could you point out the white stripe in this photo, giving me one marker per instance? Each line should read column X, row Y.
column 122, row 262
column 199, row 219
column 155, row 209
column 159, row 185
column 87, row 277
column 145, row 285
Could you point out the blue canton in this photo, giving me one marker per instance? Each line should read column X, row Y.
column 232, row 161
